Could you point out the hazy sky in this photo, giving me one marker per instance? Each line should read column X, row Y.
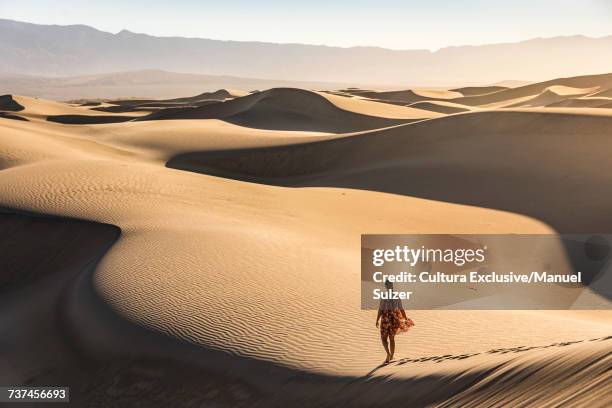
column 385, row 23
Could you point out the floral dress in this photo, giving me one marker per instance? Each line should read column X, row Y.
column 392, row 321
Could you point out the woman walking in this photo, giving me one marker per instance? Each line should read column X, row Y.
column 392, row 320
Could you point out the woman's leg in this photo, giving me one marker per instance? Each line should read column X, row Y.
column 391, row 346
column 383, row 337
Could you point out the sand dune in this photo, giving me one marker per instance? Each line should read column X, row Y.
column 552, row 95
column 606, row 93
column 434, row 105
column 440, row 106
column 407, row 96
column 40, row 109
column 519, row 376
column 602, row 81
column 479, row 90
column 218, row 260
column 337, row 112
column 292, row 109
column 218, row 95
column 131, row 105
column 385, row 160
column 279, row 109
column 587, row 102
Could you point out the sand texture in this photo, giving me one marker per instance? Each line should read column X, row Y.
column 223, row 230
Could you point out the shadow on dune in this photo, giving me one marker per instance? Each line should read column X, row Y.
column 46, row 273
column 37, row 247
column 602, row 80
column 511, row 350
column 153, row 106
column 7, row 103
column 114, row 109
column 281, row 109
column 74, row 338
column 90, row 103
column 41, row 256
column 437, row 107
column 218, row 95
column 479, row 90
column 87, row 119
column 552, row 167
column 131, row 105
column 407, row 96
column 590, row 102
column 14, row 117
column 274, row 109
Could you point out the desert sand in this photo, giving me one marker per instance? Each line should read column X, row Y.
column 222, row 232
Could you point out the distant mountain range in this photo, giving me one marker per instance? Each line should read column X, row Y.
column 51, row 50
